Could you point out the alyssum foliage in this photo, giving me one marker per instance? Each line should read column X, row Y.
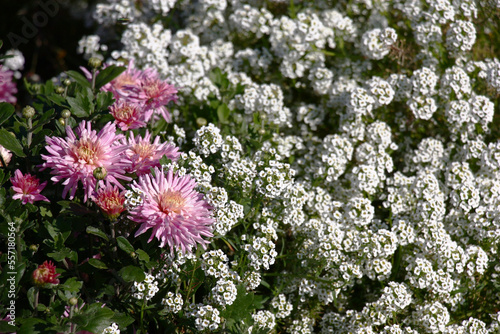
column 261, row 167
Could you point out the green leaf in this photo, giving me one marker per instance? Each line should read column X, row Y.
column 6, row 328
column 104, row 100
column 142, row 255
column 244, row 305
column 10, row 142
column 79, row 78
column 132, row 273
column 72, row 285
column 122, row 320
column 107, row 75
column 223, row 113
column 6, row 111
column 61, row 254
column 46, row 117
column 124, row 245
column 31, row 297
column 97, row 232
column 97, row 264
column 78, row 106
column 94, row 319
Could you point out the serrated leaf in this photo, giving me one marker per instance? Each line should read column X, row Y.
column 107, row 75
column 79, row 78
column 72, row 285
column 94, row 319
column 10, row 142
column 46, row 117
column 132, row 273
column 97, row 264
column 61, row 254
column 97, row 232
column 6, row 111
column 78, row 107
column 104, row 100
column 124, row 245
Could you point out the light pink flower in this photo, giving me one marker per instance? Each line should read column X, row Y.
column 74, row 159
column 142, row 155
column 128, row 115
column 154, row 93
column 8, row 87
column 27, row 188
column 110, row 200
column 6, row 156
column 174, row 210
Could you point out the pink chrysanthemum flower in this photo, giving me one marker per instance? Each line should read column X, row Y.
column 128, row 115
column 6, row 156
column 177, row 214
column 8, row 87
column 142, row 155
column 74, row 159
column 45, row 274
column 154, row 93
column 130, row 77
column 27, row 188
column 110, row 200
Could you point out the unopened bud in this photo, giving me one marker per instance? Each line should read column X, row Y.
column 59, row 89
column 28, row 112
column 262, row 131
column 100, row 173
column 62, row 121
column 95, row 63
column 200, row 121
column 73, row 301
column 65, row 113
column 33, row 248
column 66, row 82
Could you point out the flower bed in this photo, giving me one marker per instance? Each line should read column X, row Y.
column 257, row 167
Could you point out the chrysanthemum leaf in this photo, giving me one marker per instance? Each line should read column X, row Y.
column 79, row 78
column 124, row 245
column 132, row 273
column 6, row 110
column 107, row 75
column 10, row 142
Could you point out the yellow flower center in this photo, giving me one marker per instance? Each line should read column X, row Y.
column 171, row 202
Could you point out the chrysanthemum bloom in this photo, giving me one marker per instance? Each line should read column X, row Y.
column 130, row 77
column 27, row 188
column 45, row 274
column 142, row 155
column 128, row 115
column 177, row 214
column 6, row 156
column 7, row 86
column 155, row 94
column 110, row 200
column 74, row 160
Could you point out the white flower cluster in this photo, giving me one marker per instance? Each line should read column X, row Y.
column 146, row 289
column 133, row 197
column 207, row 317
column 113, row 329
column 224, row 292
column 376, row 43
column 363, row 150
column 263, row 320
column 208, row 140
column 173, row 302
